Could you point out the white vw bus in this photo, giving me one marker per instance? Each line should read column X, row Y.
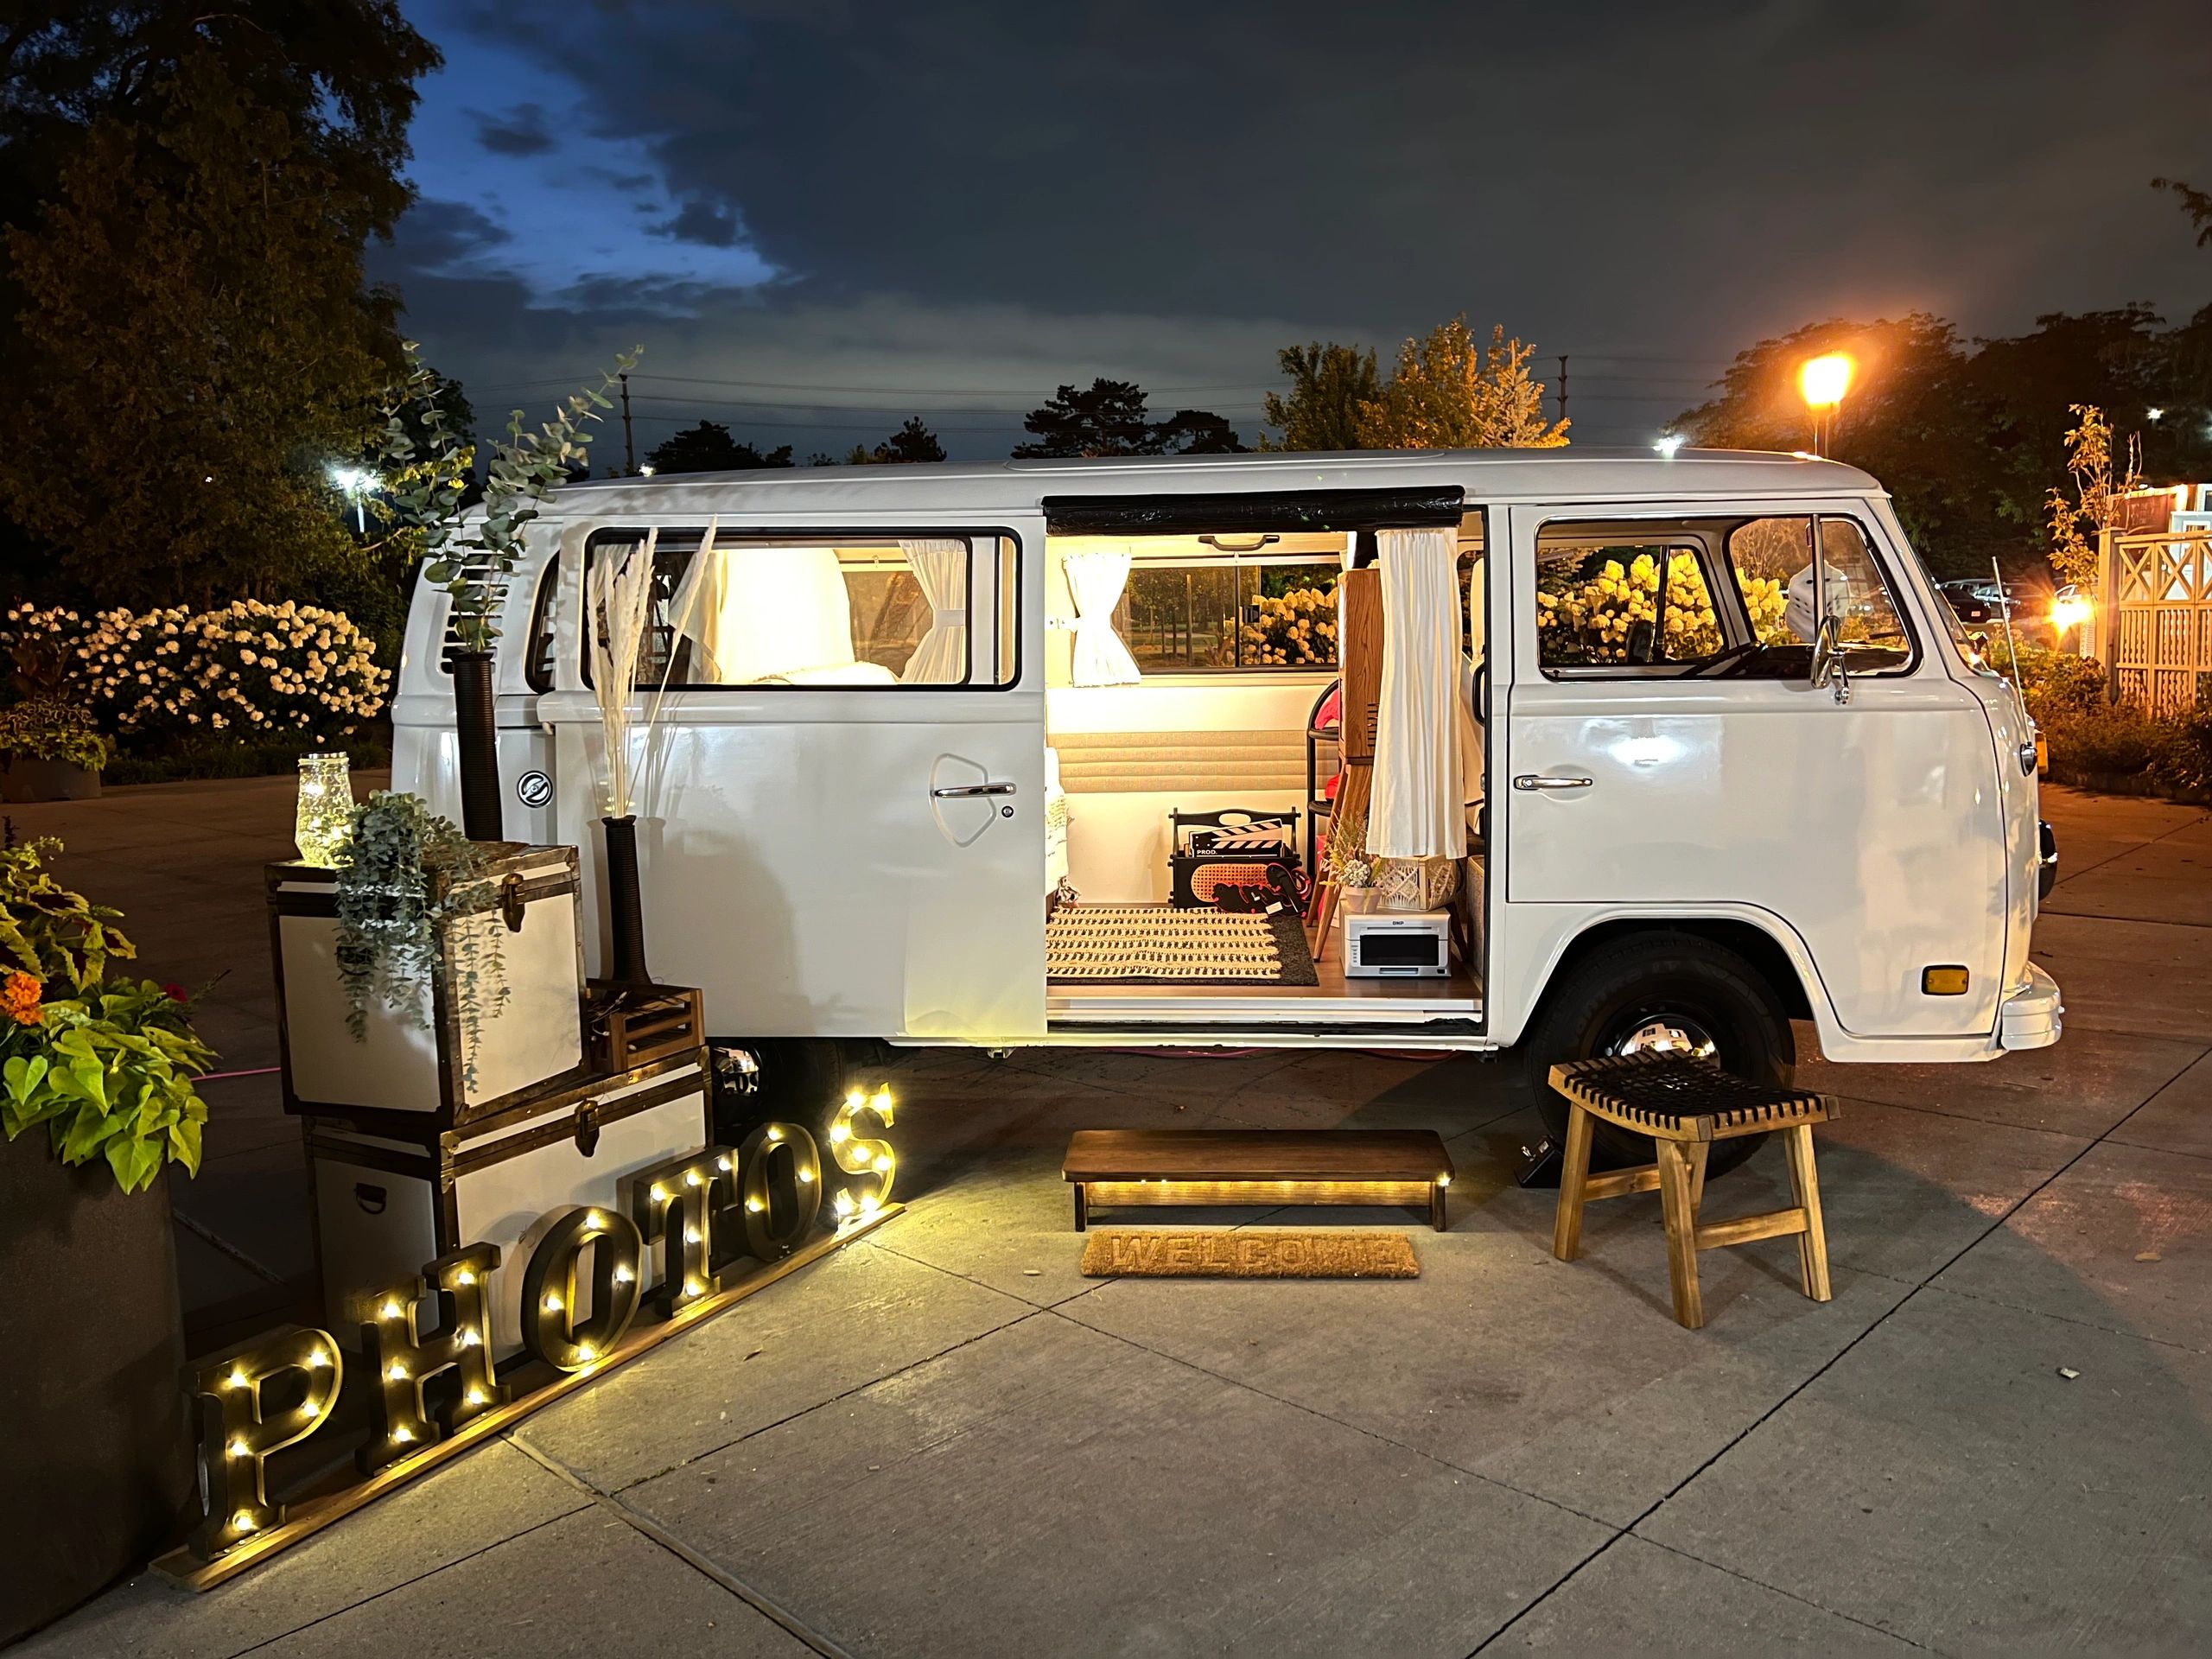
column 1705, row 747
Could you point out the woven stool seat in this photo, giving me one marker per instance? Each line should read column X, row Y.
column 1685, row 1105
column 1682, row 1098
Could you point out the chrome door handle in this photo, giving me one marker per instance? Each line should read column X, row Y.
column 1530, row 780
column 969, row 792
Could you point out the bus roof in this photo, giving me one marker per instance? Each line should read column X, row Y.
column 983, row 490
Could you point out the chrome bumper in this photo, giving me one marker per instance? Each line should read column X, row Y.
column 2032, row 1016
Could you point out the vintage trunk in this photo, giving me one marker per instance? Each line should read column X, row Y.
column 412, row 1059
column 392, row 1194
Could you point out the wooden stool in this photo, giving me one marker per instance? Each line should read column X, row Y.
column 1686, row 1105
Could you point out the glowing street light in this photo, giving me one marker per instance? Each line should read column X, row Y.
column 2154, row 415
column 645, row 471
column 1822, row 381
column 353, row 482
column 1669, row 443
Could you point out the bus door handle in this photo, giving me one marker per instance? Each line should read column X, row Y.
column 971, row 792
column 1530, row 780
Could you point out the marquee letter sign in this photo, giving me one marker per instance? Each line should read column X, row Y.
column 581, row 1292
column 238, row 1433
column 401, row 1360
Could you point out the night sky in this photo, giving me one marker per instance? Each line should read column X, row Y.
column 819, row 216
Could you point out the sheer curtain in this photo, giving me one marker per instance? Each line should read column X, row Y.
column 762, row 613
column 1419, row 809
column 941, row 570
column 1095, row 580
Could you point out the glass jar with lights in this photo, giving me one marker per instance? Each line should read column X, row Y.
column 323, row 824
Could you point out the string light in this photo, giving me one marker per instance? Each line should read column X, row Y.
column 690, row 1178
column 622, row 1276
column 660, row 1193
column 236, row 1449
column 389, row 1310
column 403, row 1433
column 586, row 1352
column 317, row 1358
column 595, row 1221
column 397, row 1373
column 552, row 1302
column 476, row 1396
column 235, row 1380
column 722, row 1163
column 464, row 1277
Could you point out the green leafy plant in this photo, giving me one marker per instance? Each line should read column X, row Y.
column 48, row 932
column 425, row 466
column 2055, row 683
column 46, row 729
column 414, row 879
column 108, row 1068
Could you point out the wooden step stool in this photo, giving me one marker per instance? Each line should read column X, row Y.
column 1685, row 1105
column 1118, row 1168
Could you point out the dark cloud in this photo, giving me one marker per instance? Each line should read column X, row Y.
column 522, row 130
column 1140, row 188
column 436, row 234
column 707, row 222
column 1600, row 172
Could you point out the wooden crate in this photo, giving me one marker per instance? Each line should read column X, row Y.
column 630, row 1025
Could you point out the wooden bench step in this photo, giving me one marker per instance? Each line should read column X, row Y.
column 1119, row 1168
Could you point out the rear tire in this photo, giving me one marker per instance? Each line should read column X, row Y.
column 1659, row 991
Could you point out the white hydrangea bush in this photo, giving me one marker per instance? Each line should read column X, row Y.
column 249, row 669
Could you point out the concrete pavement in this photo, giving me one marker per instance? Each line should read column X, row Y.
column 944, row 1439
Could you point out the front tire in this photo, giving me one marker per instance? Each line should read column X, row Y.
column 1669, row 992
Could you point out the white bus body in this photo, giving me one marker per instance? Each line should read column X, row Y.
column 1853, row 859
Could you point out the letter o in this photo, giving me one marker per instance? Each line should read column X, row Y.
column 549, row 1287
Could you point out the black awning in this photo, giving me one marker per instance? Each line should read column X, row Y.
column 1278, row 511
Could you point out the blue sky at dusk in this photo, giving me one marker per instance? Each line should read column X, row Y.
column 820, row 216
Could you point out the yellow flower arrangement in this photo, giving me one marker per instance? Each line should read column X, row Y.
column 1593, row 622
column 1293, row 630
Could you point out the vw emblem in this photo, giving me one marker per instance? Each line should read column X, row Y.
column 533, row 789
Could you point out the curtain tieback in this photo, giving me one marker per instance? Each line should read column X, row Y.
column 952, row 616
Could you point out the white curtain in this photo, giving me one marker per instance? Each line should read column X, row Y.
column 941, row 569
column 760, row 613
column 1472, row 763
column 1419, row 809
column 1095, row 580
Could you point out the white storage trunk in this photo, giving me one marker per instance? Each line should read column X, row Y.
column 415, row 1064
column 386, row 1204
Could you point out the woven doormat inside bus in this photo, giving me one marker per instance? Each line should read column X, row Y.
column 1286, row 1252
column 1130, row 945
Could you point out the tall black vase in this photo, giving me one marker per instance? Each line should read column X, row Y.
column 625, row 906
column 481, row 817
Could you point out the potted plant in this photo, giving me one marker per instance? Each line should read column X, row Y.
column 50, row 751
column 97, row 1100
column 426, row 468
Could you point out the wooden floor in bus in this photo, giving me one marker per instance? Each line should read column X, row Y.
column 1458, row 995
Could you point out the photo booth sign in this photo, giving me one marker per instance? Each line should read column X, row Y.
column 603, row 1284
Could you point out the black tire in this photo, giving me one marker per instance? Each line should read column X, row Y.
column 1666, row 980
column 801, row 1080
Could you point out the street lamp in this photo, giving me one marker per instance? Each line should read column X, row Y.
column 1669, row 443
column 645, row 471
column 1822, row 381
column 352, row 480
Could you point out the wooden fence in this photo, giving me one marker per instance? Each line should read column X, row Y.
column 2155, row 620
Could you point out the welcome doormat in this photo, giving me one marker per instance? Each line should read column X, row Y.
column 1111, row 944
column 1287, row 1253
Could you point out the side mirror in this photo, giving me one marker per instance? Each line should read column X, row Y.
column 1828, row 652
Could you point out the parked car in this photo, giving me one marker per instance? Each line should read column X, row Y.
column 1760, row 808
column 1970, row 602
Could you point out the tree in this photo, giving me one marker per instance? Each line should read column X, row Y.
column 196, row 347
column 911, row 443
column 1111, row 418
column 2076, row 524
column 2197, row 204
column 1969, row 439
column 1328, row 385
column 341, row 73
column 1108, row 419
column 708, row 447
column 1196, row 432
column 1450, row 393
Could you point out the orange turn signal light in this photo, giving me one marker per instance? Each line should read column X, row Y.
column 1943, row 982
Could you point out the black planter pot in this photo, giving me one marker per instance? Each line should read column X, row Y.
column 96, row 1468
column 482, row 817
column 624, row 905
column 22, row 779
